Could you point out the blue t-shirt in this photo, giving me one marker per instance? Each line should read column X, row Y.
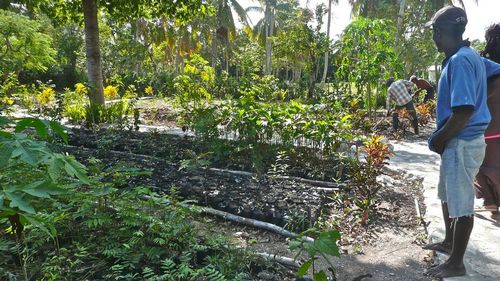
column 492, row 68
column 463, row 82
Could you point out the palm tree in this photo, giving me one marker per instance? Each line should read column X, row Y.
column 325, row 69
column 267, row 26
column 224, row 23
column 93, row 52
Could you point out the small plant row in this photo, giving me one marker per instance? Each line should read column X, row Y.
column 260, row 114
column 65, row 221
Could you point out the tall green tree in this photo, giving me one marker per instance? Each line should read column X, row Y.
column 301, row 45
column 389, row 8
column 328, row 26
column 25, row 45
column 66, row 10
column 364, row 56
column 373, row 8
column 224, row 28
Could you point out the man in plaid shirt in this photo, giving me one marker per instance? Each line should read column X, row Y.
column 400, row 91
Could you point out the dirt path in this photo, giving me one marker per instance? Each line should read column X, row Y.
column 482, row 257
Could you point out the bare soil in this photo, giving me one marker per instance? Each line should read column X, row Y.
column 387, row 248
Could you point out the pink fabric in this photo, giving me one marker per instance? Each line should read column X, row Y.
column 492, row 137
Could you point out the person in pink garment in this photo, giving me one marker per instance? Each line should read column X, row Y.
column 487, row 185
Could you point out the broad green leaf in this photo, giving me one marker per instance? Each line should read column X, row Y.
column 332, row 234
column 4, row 121
column 320, row 276
column 60, row 130
column 34, row 184
column 37, row 193
column 310, row 248
column 42, row 189
column 74, row 168
column 1, row 201
column 39, row 125
column 304, row 267
column 55, row 167
column 5, row 154
column 294, row 244
column 100, row 191
column 39, row 223
column 25, row 156
column 17, row 201
column 30, row 151
column 327, row 243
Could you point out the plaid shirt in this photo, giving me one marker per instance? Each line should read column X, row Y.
column 399, row 91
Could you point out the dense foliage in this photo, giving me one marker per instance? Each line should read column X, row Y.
column 62, row 224
column 26, row 44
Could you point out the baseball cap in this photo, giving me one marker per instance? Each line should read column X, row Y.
column 449, row 15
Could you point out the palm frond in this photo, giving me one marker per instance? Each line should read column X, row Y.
column 241, row 12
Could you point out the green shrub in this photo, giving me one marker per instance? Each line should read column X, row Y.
column 96, row 230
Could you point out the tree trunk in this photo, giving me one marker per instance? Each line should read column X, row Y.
column 402, row 4
column 227, row 53
column 329, row 22
column 370, row 100
column 269, row 33
column 312, row 80
column 93, row 51
column 178, row 59
column 214, row 49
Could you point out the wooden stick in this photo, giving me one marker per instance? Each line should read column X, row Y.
column 279, row 259
column 419, row 215
column 235, row 218
column 251, row 222
column 327, row 184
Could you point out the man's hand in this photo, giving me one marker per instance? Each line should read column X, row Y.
column 438, row 147
column 434, row 144
column 457, row 121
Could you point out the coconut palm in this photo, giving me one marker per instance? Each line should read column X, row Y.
column 268, row 25
column 329, row 22
column 224, row 28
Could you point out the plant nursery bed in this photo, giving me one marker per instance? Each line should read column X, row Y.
column 386, row 248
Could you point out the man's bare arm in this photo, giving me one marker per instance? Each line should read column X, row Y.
column 457, row 121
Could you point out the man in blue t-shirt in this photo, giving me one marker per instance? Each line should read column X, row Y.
column 462, row 118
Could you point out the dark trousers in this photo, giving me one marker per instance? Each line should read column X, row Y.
column 429, row 95
column 413, row 113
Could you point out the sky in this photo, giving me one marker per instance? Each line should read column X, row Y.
column 479, row 16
